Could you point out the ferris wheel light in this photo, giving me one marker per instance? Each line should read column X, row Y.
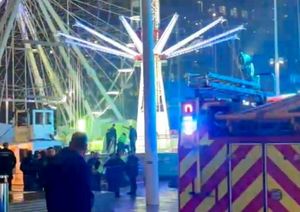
column 113, row 93
column 98, row 113
column 81, row 125
column 126, row 70
column 135, row 18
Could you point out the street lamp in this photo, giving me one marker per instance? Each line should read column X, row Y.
column 276, row 52
column 280, row 61
column 277, row 64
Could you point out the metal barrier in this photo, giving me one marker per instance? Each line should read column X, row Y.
column 4, row 193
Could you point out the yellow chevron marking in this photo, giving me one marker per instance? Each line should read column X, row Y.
column 234, row 148
column 206, row 204
column 188, row 161
column 245, row 164
column 296, row 147
column 287, row 201
column 185, row 196
column 214, row 164
column 248, row 195
column 242, row 168
column 205, row 140
column 284, row 165
column 222, row 188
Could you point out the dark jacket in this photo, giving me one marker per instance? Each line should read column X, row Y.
column 113, row 133
column 7, row 161
column 43, row 165
column 28, row 167
column 132, row 166
column 132, row 134
column 115, row 168
column 67, row 183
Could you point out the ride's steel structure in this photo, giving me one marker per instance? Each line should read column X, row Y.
column 37, row 70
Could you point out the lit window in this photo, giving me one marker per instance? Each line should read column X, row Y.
column 234, row 12
column 222, row 10
column 244, row 14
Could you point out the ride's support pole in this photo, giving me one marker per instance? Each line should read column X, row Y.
column 276, row 51
column 4, row 193
column 151, row 157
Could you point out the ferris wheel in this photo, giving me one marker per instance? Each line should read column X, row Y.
column 38, row 70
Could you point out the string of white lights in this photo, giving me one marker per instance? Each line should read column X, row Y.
column 136, row 40
column 199, row 44
column 107, row 39
column 177, row 53
column 165, row 36
column 86, row 44
column 73, row 15
column 193, row 36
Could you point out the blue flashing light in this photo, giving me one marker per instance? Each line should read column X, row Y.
column 189, row 125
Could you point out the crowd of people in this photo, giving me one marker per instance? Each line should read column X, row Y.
column 34, row 167
column 69, row 175
column 115, row 172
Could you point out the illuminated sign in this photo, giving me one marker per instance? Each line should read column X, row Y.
column 188, row 108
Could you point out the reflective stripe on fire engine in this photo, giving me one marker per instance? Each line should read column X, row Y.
column 284, row 175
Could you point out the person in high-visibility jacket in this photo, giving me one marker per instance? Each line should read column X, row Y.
column 122, row 143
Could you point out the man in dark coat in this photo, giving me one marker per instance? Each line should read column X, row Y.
column 132, row 172
column 67, row 183
column 108, row 140
column 30, row 171
column 7, row 163
column 132, row 138
column 113, row 137
column 114, row 173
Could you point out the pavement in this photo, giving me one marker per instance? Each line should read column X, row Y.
column 35, row 202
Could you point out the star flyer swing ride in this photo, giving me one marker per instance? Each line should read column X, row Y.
column 190, row 44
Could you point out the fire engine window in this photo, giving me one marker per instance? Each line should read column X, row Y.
column 39, row 118
column 48, row 118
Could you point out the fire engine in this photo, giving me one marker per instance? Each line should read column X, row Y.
column 238, row 151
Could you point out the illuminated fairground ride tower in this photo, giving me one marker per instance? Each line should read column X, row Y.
column 190, row 44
